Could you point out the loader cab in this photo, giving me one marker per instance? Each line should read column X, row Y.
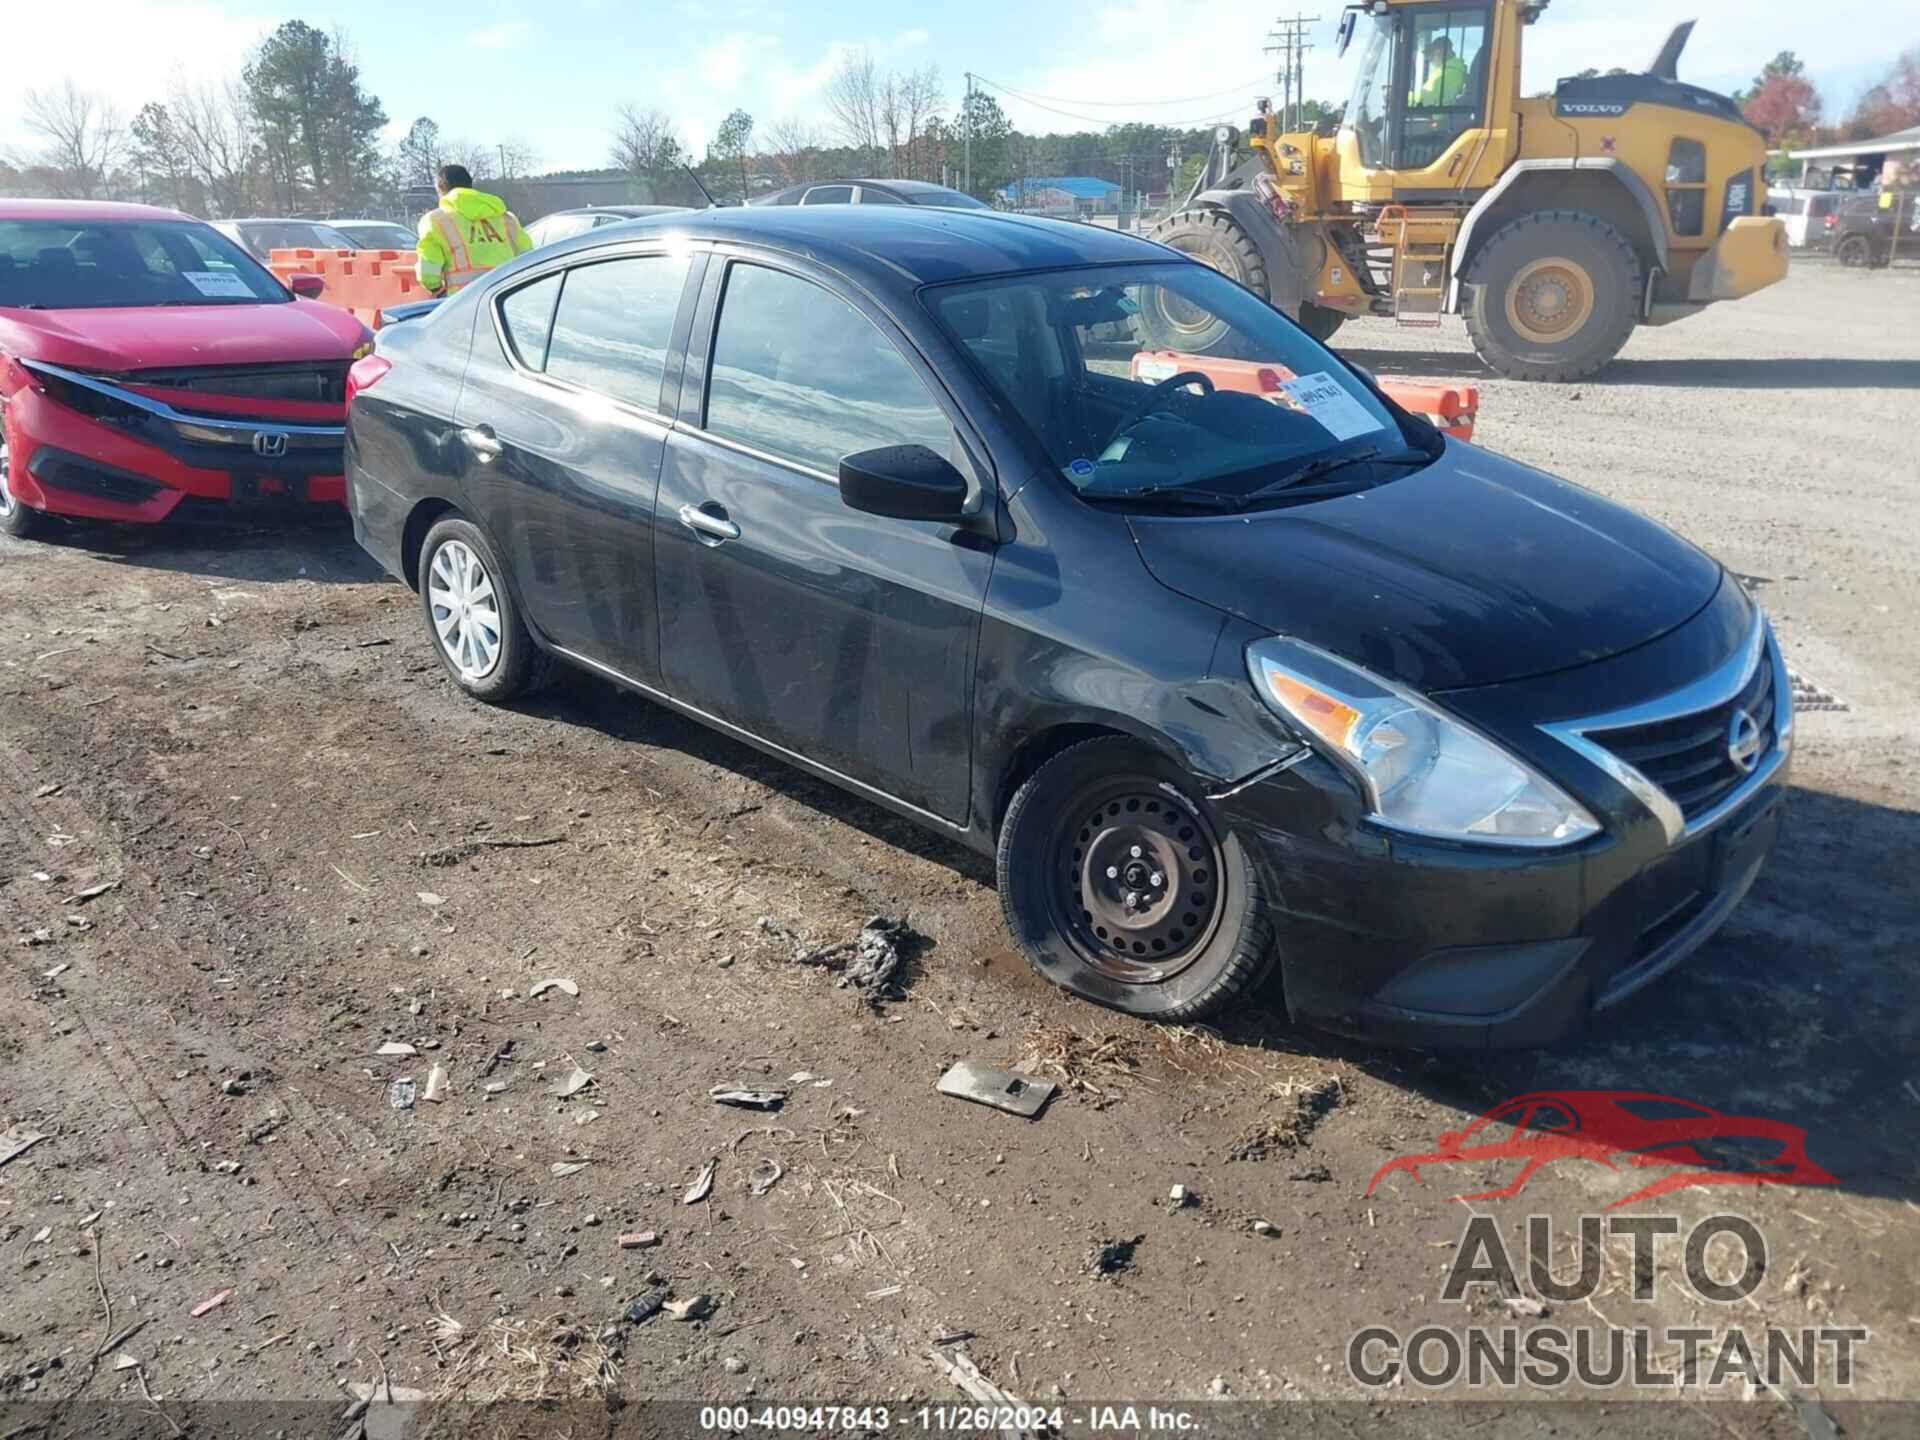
column 1430, row 116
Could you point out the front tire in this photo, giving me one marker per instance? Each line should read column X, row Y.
column 1121, row 887
column 1214, row 239
column 17, row 518
column 472, row 617
column 1553, row 296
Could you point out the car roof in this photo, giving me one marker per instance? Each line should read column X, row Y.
column 890, row 246
column 82, row 210
column 280, row 220
column 632, row 211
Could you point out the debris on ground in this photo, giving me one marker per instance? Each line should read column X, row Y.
column 52, row 787
column 869, row 962
column 397, row 1049
column 427, row 897
column 39, row 935
column 16, row 1142
column 1265, row 1227
column 644, row 1306
column 563, row 1168
column 57, row 971
column 1112, row 1257
column 564, row 986
column 638, row 1240
column 209, row 1305
column 126, row 1362
column 233, row 1085
column 436, row 1090
column 1022, row 1095
column 766, row 1175
column 1298, row 1106
column 572, row 1085
column 734, row 1365
column 1525, row 1305
column 92, row 892
column 694, row 1307
column 401, row 1094
column 747, row 1099
column 966, row 1377
column 702, row 1184
column 1180, row 1197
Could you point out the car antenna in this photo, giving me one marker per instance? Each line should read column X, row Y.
column 712, row 204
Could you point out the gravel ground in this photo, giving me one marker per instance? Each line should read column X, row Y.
column 316, row 848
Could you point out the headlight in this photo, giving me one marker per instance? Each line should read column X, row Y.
column 1422, row 771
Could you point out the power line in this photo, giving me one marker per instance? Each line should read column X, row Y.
column 1193, row 124
column 1254, row 84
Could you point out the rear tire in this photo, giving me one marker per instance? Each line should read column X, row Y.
column 472, row 618
column 1214, row 239
column 1179, row 940
column 1855, row 253
column 17, row 518
column 1553, row 296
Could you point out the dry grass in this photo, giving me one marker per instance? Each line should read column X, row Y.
column 1293, row 1107
column 1080, row 1062
column 549, row 1359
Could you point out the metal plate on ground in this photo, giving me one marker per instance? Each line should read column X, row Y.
column 1810, row 696
column 1017, row 1094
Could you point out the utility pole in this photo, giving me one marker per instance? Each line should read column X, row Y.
column 967, row 110
column 1288, row 40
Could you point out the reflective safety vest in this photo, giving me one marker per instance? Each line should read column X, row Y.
column 461, row 241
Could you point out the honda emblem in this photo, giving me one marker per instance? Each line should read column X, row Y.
column 270, row 444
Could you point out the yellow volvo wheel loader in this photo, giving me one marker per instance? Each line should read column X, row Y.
column 1553, row 224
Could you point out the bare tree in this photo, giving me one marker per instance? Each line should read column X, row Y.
column 214, row 128
column 85, row 139
column 856, row 99
column 922, row 98
column 794, row 147
column 646, row 142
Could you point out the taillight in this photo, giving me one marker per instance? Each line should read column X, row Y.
column 365, row 373
column 1830, row 221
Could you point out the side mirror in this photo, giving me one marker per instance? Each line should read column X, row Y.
column 306, row 286
column 1344, row 36
column 903, row 482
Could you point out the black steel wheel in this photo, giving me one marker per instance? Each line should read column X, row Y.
column 1122, row 887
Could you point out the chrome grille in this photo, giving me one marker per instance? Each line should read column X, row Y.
column 1688, row 756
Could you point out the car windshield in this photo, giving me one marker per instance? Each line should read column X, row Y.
column 380, row 237
column 263, row 237
column 1169, row 382
column 96, row 265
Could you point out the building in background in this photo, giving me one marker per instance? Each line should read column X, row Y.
column 1063, row 195
column 1891, row 161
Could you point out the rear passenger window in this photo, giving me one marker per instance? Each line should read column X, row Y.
column 614, row 324
column 799, row 373
column 526, row 315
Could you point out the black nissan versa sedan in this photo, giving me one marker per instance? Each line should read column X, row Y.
column 1227, row 659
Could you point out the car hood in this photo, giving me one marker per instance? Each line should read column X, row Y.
column 165, row 336
column 1473, row 571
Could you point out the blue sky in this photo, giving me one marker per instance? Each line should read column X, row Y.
column 552, row 74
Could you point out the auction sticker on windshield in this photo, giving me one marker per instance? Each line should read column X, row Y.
column 1327, row 401
column 218, row 282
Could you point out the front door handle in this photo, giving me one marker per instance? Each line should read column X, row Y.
column 702, row 523
column 483, row 442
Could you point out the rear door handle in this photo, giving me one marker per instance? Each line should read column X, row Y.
column 483, row 442
column 700, row 522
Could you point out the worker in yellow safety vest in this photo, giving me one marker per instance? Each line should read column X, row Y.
column 1446, row 77
column 466, row 235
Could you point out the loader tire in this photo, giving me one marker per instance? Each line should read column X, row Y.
column 1215, row 239
column 1553, row 296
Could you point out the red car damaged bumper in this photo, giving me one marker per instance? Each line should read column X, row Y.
column 105, row 448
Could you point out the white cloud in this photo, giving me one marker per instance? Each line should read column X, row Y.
column 503, row 36
column 128, row 50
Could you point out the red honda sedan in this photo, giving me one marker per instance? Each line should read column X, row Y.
column 150, row 368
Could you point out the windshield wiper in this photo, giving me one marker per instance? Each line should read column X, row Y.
column 1327, row 465
column 1172, row 495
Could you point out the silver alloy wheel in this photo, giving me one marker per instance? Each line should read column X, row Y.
column 466, row 612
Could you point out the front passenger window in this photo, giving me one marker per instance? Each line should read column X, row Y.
column 799, row 373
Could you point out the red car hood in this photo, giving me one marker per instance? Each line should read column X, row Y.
column 157, row 337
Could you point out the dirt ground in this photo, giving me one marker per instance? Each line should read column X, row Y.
column 317, row 847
